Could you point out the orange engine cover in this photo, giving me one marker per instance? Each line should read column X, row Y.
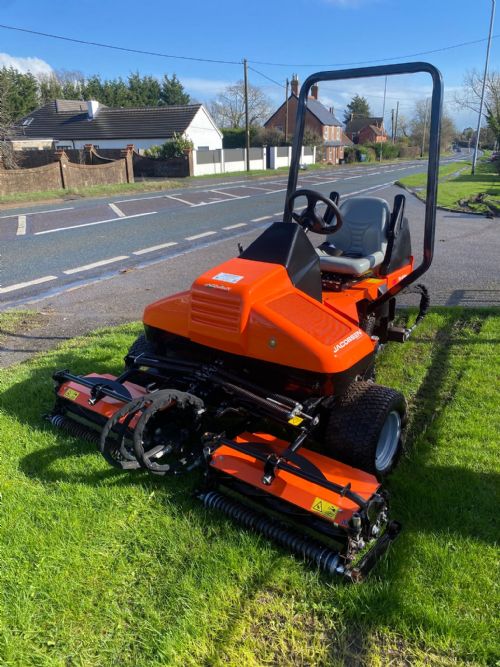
column 307, row 495
column 252, row 308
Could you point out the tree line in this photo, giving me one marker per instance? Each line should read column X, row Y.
column 21, row 93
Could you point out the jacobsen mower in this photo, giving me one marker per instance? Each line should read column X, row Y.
column 262, row 373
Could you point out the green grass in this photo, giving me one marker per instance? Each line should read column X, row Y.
column 464, row 188
column 91, row 191
column 420, row 180
column 99, row 567
column 15, row 321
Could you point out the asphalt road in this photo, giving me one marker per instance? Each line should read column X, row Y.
column 46, row 250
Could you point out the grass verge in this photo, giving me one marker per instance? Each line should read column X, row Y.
column 479, row 193
column 107, row 568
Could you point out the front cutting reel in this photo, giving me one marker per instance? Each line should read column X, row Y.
column 322, row 510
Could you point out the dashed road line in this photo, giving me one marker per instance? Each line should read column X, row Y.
column 21, row 225
column 264, row 217
column 239, row 224
column 152, row 248
column 117, row 210
column 199, row 236
column 94, row 265
column 91, row 224
column 29, row 283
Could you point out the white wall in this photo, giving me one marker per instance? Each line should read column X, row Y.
column 203, row 132
column 139, row 144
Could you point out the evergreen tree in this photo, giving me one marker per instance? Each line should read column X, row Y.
column 357, row 107
column 18, row 93
column 143, row 91
column 172, row 92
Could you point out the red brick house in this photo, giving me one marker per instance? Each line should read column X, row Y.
column 319, row 120
column 366, row 130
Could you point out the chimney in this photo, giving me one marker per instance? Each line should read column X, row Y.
column 294, row 84
column 92, row 108
column 314, row 91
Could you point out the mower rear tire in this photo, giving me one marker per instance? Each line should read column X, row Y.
column 140, row 346
column 366, row 428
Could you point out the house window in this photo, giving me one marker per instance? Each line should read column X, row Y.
column 203, row 148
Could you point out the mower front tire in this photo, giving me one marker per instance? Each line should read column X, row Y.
column 366, row 428
column 140, row 346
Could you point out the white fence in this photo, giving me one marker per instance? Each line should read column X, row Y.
column 223, row 161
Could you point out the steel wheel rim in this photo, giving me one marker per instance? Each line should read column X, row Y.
column 388, row 441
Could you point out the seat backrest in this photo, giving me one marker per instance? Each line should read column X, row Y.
column 365, row 228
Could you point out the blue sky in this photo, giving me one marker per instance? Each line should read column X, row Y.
column 305, row 35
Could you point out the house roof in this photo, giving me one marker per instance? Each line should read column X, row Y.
column 377, row 130
column 357, row 124
column 322, row 114
column 316, row 108
column 68, row 119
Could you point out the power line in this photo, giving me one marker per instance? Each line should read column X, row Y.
column 281, row 85
column 119, row 48
column 378, row 60
column 236, row 62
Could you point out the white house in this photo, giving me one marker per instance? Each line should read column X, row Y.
column 74, row 123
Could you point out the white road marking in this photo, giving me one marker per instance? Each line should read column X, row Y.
column 155, row 247
column 38, row 281
column 226, row 194
column 184, row 201
column 117, row 210
column 273, row 192
column 21, row 225
column 359, row 176
column 264, row 217
column 199, row 236
column 91, row 224
column 52, row 210
column 374, row 187
column 94, row 265
column 240, row 224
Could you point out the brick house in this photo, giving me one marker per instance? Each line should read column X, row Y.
column 319, row 120
column 366, row 130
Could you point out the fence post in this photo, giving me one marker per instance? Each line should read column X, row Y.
column 189, row 154
column 126, row 154
column 63, row 160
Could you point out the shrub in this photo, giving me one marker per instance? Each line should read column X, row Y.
column 175, row 147
column 389, row 151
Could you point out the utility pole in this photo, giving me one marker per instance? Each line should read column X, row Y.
column 425, row 127
column 396, row 122
column 247, row 128
column 392, row 125
column 286, row 110
column 383, row 114
column 476, row 146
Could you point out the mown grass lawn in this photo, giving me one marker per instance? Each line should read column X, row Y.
column 100, row 568
column 464, row 188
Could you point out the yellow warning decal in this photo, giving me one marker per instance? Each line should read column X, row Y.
column 375, row 281
column 295, row 421
column 71, row 394
column 323, row 507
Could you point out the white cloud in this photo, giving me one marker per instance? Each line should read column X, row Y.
column 29, row 64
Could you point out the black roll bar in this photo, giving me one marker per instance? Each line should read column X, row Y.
column 434, row 147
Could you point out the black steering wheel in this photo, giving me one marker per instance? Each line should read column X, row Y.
column 309, row 219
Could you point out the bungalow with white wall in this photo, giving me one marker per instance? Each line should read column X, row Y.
column 74, row 123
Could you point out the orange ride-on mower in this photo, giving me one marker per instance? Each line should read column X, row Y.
column 262, row 373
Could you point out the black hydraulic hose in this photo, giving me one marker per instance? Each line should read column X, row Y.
column 276, row 410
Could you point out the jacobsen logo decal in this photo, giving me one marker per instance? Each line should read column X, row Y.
column 346, row 341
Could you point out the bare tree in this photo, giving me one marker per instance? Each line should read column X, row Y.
column 470, row 98
column 228, row 108
column 419, row 126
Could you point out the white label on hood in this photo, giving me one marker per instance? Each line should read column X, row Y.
column 228, row 278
